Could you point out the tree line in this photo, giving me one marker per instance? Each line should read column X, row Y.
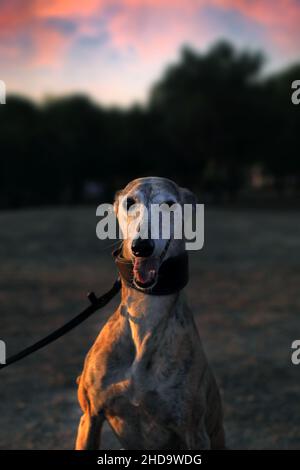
column 210, row 118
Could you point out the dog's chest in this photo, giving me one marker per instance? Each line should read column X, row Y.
column 143, row 417
column 150, row 390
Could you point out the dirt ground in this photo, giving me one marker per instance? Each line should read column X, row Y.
column 244, row 290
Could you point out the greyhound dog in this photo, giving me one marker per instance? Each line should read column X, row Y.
column 147, row 373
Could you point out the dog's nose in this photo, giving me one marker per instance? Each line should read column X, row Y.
column 142, row 247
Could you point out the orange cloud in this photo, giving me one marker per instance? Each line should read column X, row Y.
column 67, row 8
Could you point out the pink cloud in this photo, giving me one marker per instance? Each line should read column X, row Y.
column 151, row 32
column 13, row 15
column 281, row 18
column 267, row 12
column 146, row 34
column 50, row 48
column 157, row 27
column 151, row 28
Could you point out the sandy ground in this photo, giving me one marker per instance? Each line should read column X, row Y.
column 244, row 290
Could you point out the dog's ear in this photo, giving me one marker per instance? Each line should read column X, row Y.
column 188, row 197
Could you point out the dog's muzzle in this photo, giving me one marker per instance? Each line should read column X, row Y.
column 173, row 274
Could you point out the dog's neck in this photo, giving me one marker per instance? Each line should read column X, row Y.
column 146, row 314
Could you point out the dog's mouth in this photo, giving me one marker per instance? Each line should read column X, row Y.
column 145, row 272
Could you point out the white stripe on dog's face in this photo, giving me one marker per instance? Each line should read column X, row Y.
column 133, row 206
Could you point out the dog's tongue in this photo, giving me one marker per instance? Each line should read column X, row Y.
column 145, row 269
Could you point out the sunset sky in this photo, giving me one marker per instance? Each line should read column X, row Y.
column 114, row 50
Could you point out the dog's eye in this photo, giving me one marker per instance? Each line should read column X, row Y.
column 129, row 202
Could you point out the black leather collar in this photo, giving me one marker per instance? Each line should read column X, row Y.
column 173, row 274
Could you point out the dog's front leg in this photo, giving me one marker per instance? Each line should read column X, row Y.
column 89, row 432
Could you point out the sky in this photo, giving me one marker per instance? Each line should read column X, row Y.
column 114, row 50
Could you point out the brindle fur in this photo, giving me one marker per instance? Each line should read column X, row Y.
column 147, row 373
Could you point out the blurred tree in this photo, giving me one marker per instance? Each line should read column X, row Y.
column 207, row 105
column 19, row 127
column 208, row 119
column 281, row 149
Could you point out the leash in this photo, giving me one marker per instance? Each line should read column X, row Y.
column 173, row 276
column 96, row 304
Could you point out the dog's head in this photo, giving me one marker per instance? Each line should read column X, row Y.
column 143, row 209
